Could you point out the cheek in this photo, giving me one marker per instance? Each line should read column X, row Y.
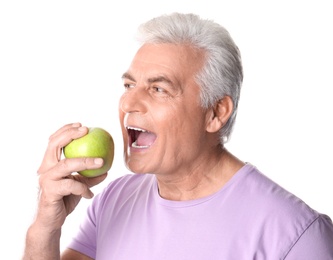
column 166, row 118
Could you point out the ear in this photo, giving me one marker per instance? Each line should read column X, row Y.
column 219, row 114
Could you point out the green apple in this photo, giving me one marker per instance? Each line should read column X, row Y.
column 96, row 143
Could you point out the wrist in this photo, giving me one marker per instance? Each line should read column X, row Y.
column 42, row 243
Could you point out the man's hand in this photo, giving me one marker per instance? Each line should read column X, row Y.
column 60, row 192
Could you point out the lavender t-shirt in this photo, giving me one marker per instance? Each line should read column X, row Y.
column 251, row 217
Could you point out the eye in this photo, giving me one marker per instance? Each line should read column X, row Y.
column 158, row 89
column 128, row 86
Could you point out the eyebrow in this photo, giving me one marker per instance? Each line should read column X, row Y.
column 126, row 75
column 161, row 78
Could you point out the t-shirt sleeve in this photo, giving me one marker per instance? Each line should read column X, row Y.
column 315, row 243
column 85, row 239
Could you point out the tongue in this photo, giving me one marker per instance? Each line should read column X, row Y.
column 145, row 139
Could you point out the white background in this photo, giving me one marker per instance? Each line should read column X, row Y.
column 61, row 62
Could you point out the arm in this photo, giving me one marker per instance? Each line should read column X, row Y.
column 70, row 254
column 60, row 192
column 315, row 243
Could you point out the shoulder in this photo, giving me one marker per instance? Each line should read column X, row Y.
column 269, row 196
column 277, row 215
column 316, row 242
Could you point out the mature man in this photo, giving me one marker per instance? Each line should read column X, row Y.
column 188, row 197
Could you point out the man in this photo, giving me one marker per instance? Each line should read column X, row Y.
column 188, row 197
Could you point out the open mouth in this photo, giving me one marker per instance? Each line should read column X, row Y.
column 140, row 138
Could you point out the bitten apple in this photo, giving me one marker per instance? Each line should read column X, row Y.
column 97, row 143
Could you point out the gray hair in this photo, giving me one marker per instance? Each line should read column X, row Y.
column 222, row 73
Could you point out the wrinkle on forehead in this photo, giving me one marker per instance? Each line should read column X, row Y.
column 176, row 63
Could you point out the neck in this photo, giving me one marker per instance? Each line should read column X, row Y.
column 200, row 179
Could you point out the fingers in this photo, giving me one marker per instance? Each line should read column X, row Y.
column 66, row 134
column 57, row 141
column 61, row 188
column 90, row 182
column 65, row 127
column 55, row 173
column 84, row 191
column 60, row 182
column 77, row 184
column 66, row 167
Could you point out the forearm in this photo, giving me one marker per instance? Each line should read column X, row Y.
column 42, row 244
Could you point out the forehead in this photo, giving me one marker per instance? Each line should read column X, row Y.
column 174, row 60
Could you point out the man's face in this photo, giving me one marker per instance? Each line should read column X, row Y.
column 162, row 121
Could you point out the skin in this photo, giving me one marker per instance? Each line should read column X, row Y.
column 60, row 192
column 160, row 96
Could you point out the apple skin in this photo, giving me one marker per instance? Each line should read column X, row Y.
column 96, row 143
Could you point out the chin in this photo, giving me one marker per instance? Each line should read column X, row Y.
column 135, row 166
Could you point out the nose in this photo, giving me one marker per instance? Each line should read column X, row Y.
column 133, row 100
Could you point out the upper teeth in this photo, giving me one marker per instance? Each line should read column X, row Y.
column 135, row 128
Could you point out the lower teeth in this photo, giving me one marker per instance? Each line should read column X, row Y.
column 139, row 146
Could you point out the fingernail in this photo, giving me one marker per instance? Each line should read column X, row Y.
column 98, row 161
column 81, row 129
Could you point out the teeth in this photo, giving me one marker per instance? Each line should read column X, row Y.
column 138, row 146
column 134, row 144
column 136, row 129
